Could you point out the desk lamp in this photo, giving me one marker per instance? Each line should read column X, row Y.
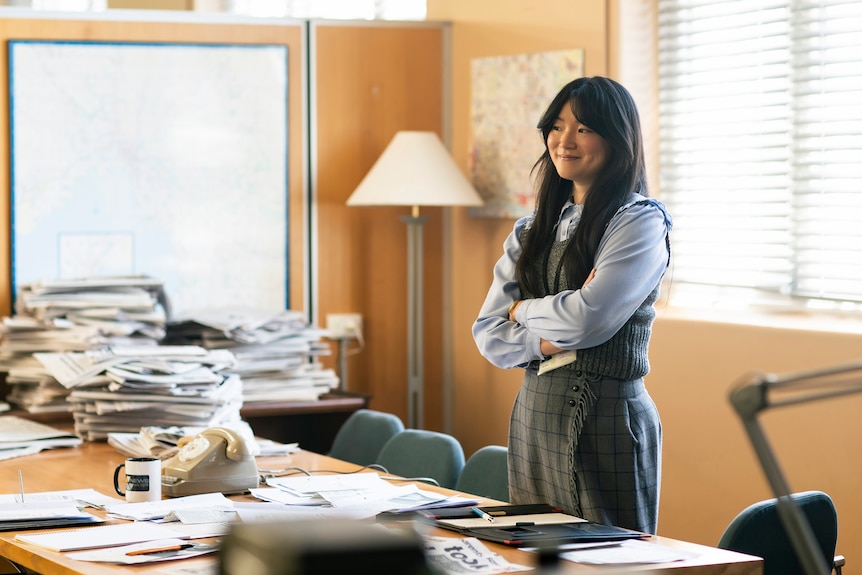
column 764, row 391
column 415, row 170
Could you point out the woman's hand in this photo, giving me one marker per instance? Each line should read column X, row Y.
column 548, row 348
column 512, row 309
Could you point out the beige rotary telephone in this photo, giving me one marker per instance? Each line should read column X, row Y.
column 217, row 459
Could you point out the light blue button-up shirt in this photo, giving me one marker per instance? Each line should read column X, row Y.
column 630, row 260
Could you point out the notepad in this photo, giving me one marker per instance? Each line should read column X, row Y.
column 101, row 536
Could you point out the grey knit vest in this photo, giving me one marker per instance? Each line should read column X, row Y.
column 624, row 356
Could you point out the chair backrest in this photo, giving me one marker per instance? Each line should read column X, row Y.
column 486, row 473
column 361, row 437
column 758, row 530
column 422, row 453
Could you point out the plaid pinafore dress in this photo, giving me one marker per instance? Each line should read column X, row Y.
column 586, row 442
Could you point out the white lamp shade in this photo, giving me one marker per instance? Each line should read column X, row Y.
column 415, row 169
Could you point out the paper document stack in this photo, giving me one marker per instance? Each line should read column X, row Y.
column 73, row 315
column 276, row 352
column 124, row 388
column 115, row 305
column 20, row 436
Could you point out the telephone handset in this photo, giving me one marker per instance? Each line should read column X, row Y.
column 217, row 459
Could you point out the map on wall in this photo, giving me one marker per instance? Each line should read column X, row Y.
column 167, row 160
column 509, row 95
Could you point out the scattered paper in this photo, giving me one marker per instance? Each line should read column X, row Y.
column 120, row 555
column 196, row 516
column 629, row 552
column 84, row 497
column 99, row 536
column 309, row 485
column 276, row 512
column 149, row 510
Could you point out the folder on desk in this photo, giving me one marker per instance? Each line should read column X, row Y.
column 533, row 525
column 43, row 514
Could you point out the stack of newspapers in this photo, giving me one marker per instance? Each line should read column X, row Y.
column 277, row 353
column 124, row 388
column 73, row 315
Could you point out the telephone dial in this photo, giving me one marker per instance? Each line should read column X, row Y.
column 217, row 459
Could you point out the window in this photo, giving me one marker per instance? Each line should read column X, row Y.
column 760, row 154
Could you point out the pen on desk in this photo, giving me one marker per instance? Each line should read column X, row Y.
column 483, row 515
column 21, row 484
column 160, row 549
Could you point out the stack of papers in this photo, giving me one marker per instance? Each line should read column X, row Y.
column 119, row 305
column 20, row 436
column 73, row 315
column 276, row 352
column 31, row 387
column 125, row 388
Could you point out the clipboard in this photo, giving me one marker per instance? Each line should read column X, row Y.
column 530, row 525
column 526, row 533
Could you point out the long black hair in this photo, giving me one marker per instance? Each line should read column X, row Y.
column 608, row 109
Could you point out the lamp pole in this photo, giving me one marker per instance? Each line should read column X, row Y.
column 415, row 300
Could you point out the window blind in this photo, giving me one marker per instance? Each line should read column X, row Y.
column 760, row 136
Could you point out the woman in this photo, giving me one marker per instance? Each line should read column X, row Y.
column 572, row 302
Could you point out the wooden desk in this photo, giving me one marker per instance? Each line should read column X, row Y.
column 92, row 466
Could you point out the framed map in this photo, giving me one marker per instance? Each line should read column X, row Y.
column 509, row 95
column 163, row 159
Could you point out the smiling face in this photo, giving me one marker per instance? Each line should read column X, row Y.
column 578, row 153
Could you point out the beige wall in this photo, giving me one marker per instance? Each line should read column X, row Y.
column 709, row 471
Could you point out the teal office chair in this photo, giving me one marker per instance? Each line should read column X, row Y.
column 417, row 453
column 758, row 530
column 361, row 437
column 486, row 473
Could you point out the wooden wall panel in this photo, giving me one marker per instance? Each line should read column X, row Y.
column 368, row 83
column 291, row 35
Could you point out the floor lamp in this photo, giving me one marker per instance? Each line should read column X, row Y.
column 764, row 391
column 415, row 170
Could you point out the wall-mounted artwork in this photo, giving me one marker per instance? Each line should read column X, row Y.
column 509, row 94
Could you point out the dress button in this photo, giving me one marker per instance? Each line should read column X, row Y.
column 571, row 402
column 576, row 387
column 578, row 373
